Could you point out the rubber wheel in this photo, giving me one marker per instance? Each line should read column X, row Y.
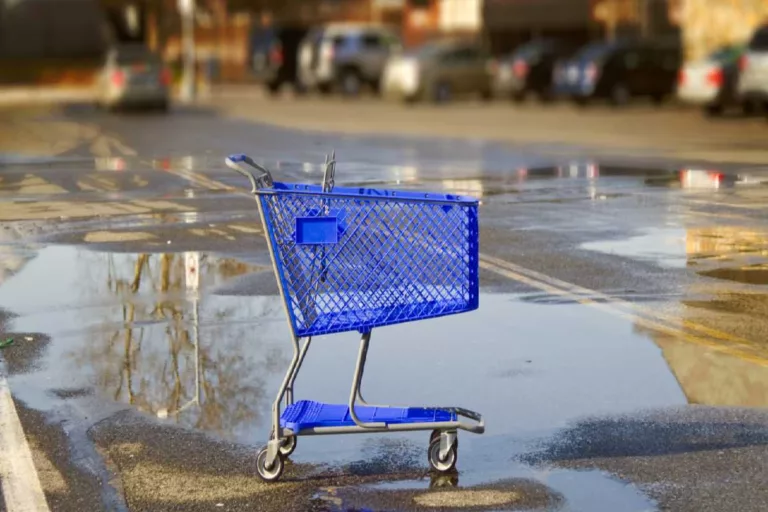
column 545, row 96
column 441, row 465
column 713, row 110
column 519, row 97
column 581, row 101
column 288, row 446
column 350, row 83
column 272, row 474
column 441, row 92
column 436, row 434
column 657, row 99
column 619, row 95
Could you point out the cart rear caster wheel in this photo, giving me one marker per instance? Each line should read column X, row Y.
column 272, row 474
column 438, row 464
column 288, row 446
column 436, row 435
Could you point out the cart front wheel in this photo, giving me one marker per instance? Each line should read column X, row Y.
column 441, row 465
column 273, row 473
column 288, row 446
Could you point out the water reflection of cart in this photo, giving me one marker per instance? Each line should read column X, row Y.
column 352, row 259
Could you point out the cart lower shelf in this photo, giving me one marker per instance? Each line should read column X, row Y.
column 306, row 414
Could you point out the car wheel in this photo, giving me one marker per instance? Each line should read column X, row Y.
column 714, row 110
column 581, row 101
column 273, row 88
column 350, row 83
column 442, row 92
column 620, row 95
column 658, row 99
column 520, row 96
column 545, row 96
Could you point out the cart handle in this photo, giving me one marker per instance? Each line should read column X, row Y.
column 236, row 162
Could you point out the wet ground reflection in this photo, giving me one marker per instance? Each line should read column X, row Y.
column 161, row 333
column 127, row 325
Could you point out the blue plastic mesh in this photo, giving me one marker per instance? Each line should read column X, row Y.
column 400, row 257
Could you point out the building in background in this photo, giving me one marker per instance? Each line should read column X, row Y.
column 709, row 24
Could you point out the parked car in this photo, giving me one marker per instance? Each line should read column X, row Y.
column 529, row 69
column 619, row 70
column 712, row 82
column 274, row 56
column 753, row 80
column 346, row 56
column 438, row 71
column 132, row 75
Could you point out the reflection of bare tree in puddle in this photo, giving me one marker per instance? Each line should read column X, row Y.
column 154, row 361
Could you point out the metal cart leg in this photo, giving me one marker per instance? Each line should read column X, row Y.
column 302, row 354
column 273, row 446
column 353, row 395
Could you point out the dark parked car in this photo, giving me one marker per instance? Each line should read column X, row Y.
column 529, row 69
column 274, row 56
column 619, row 71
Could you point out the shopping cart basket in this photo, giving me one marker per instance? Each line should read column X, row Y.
column 351, row 259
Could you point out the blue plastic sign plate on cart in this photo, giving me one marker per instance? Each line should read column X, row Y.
column 317, row 230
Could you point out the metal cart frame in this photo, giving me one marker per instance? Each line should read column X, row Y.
column 443, row 441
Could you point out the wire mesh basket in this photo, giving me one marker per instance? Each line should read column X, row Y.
column 355, row 259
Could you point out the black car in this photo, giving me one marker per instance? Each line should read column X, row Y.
column 274, row 56
column 529, row 69
column 619, row 71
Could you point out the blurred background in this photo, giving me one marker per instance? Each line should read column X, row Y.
column 155, row 50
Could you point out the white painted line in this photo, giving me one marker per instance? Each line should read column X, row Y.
column 22, row 490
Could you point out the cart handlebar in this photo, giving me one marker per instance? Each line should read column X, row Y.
column 238, row 162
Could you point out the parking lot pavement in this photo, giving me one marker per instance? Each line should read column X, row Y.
column 640, row 130
column 618, row 353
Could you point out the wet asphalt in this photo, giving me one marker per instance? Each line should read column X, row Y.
column 618, row 354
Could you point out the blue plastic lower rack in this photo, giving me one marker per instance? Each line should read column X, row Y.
column 306, row 414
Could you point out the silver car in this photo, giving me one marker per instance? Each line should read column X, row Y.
column 345, row 56
column 753, row 82
column 132, row 75
column 439, row 71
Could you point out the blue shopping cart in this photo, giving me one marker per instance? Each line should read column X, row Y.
column 352, row 259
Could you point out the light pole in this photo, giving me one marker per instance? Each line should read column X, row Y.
column 187, row 11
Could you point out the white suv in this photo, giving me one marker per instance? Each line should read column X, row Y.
column 346, row 56
column 753, row 82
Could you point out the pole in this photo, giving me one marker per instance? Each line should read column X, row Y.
column 187, row 11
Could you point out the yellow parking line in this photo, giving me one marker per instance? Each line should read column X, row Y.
column 576, row 290
column 653, row 321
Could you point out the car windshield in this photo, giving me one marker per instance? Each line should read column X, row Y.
column 427, row 50
column 726, row 54
column 126, row 56
column 533, row 49
column 594, row 51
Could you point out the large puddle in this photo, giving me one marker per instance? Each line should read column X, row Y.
column 151, row 330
